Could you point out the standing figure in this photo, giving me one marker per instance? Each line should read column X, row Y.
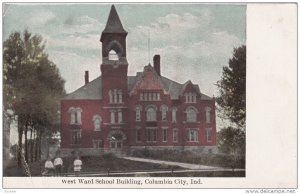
column 77, row 166
column 49, row 167
column 58, row 164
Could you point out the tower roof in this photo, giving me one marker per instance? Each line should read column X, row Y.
column 113, row 24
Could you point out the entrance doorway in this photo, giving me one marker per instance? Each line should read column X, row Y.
column 116, row 139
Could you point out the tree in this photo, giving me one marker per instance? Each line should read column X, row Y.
column 32, row 88
column 232, row 87
column 232, row 141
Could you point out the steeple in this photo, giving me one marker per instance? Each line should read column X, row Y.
column 113, row 40
column 113, row 24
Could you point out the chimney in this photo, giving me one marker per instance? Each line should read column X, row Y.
column 156, row 63
column 86, row 77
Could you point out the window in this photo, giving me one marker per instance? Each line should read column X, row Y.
column 73, row 117
column 175, row 135
column 97, row 122
column 207, row 114
column 75, row 114
column 112, row 116
column 115, row 96
column 97, row 143
column 208, row 135
column 120, row 96
column 191, row 114
column 149, row 96
column 113, row 56
column 116, row 116
column 151, row 134
column 138, row 113
column 174, row 110
column 138, row 135
column 165, row 134
column 75, row 137
column 141, row 96
column 163, row 110
column 120, row 118
column 192, row 135
column 151, row 113
column 190, row 97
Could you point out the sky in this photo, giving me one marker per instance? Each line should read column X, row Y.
column 198, row 38
column 194, row 40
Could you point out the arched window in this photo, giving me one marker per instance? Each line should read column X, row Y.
column 113, row 56
column 78, row 113
column 151, row 113
column 163, row 110
column 97, row 122
column 207, row 114
column 191, row 114
column 72, row 114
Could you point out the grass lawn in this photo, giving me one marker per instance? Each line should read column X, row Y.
column 91, row 164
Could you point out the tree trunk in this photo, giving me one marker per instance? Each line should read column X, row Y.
column 20, row 136
column 36, row 145
column 40, row 144
column 26, row 143
column 31, row 145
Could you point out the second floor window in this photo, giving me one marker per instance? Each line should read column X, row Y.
column 207, row 114
column 163, row 110
column 138, row 110
column 151, row 113
column 97, row 122
column 75, row 115
column 116, row 116
column 191, row 114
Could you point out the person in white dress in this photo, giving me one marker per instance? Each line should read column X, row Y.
column 77, row 166
column 58, row 164
column 49, row 167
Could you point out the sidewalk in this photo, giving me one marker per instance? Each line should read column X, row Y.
column 183, row 165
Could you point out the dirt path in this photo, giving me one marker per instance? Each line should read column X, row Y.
column 183, row 165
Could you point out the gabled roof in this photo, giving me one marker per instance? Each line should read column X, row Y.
column 93, row 90
column 113, row 24
column 90, row 91
column 194, row 86
column 148, row 80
